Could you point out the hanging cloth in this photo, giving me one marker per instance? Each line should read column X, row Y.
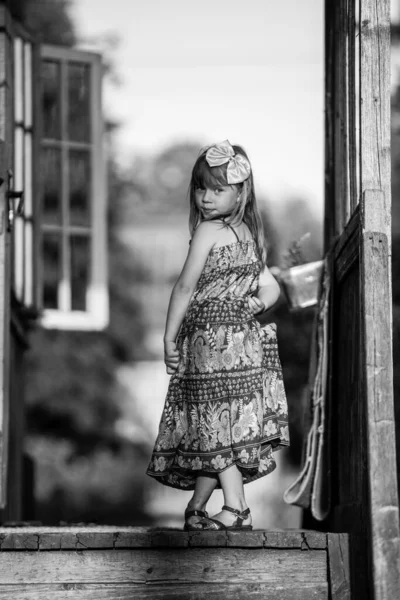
column 311, row 489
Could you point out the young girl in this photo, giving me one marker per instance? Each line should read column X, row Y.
column 226, row 407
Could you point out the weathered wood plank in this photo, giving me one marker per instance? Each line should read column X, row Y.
column 305, row 540
column 246, row 539
column 340, row 65
column 375, row 101
column 339, row 568
column 134, row 539
column 201, row 565
column 353, row 100
column 209, row 539
column 377, row 374
column 87, row 538
column 347, row 413
column 175, row 539
column 347, row 248
column 351, row 229
column 378, row 380
column 249, row 591
column 350, row 517
column 329, row 208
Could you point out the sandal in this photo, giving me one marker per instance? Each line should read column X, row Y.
column 215, row 525
column 194, row 513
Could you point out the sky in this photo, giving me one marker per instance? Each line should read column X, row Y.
column 250, row 72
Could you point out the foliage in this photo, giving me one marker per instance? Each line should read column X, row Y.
column 294, row 255
column 71, row 389
column 48, row 20
column 72, row 392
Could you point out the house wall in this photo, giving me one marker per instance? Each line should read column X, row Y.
column 18, row 466
column 12, row 323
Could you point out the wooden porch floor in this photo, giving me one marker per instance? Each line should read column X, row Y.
column 99, row 563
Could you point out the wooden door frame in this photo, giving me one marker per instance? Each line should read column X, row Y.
column 376, row 299
column 358, row 230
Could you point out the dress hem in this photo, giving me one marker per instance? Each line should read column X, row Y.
column 199, row 472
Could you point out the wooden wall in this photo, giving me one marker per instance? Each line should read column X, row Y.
column 12, row 325
column 17, row 462
column 364, row 496
column 348, row 416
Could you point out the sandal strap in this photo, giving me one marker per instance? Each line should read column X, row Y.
column 240, row 515
column 215, row 524
column 195, row 513
column 235, row 511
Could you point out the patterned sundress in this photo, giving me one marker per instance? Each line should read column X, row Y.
column 226, row 403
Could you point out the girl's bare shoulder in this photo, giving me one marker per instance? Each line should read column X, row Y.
column 207, row 232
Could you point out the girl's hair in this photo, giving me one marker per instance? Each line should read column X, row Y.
column 204, row 176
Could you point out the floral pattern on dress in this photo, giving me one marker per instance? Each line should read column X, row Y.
column 226, row 403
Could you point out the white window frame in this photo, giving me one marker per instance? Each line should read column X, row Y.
column 97, row 314
column 23, row 179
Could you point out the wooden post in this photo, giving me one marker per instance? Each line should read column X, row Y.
column 341, row 193
column 329, row 212
column 376, row 297
column 341, row 175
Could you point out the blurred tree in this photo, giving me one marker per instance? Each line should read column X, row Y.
column 48, row 20
column 296, row 218
column 126, row 331
column 162, row 181
column 72, row 391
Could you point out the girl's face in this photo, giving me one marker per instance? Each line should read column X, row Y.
column 216, row 201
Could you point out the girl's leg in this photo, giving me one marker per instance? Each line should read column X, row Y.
column 203, row 490
column 232, row 487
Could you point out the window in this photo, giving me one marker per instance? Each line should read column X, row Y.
column 72, row 262
column 21, row 178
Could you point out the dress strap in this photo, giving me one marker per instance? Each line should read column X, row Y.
column 230, row 227
column 226, row 225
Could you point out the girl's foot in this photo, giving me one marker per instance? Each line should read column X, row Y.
column 194, row 516
column 229, row 518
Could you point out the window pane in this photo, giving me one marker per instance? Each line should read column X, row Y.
column 50, row 173
column 79, row 187
column 28, row 84
column 80, row 270
column 51, row 253
column 18, row 81
column 51, row 110
column 28, row 263
column 18, row 180
column 78, row 102
column 19, row 257
column 28, row 175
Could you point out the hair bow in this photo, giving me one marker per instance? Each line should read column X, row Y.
column 238, row 168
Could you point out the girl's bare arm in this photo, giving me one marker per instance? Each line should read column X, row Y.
column 268, row 291
column 203, row 239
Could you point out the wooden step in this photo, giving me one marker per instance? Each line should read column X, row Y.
column 99, row 563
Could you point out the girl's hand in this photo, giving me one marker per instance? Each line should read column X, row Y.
column 256, row 306
column 171, row 357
